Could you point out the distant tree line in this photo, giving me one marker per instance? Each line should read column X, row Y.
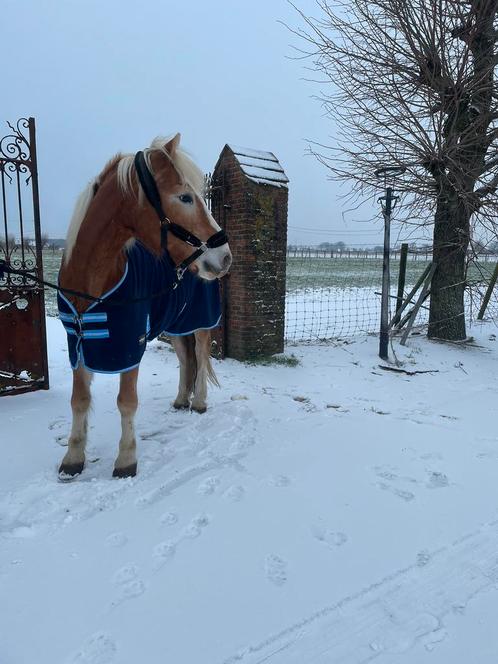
column 13, row 243
column 478, row 248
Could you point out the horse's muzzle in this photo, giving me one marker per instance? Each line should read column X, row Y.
column 216, row 263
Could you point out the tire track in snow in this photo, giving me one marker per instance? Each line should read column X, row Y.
column 391, row 615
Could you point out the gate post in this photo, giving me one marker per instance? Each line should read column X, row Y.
column 249, row 200
column 23, row 346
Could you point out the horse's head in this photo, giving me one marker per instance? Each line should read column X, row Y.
column 180, row 183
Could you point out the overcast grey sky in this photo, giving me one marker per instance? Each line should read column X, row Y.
column 102, row 76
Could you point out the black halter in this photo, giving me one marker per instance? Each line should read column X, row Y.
column 151, row 192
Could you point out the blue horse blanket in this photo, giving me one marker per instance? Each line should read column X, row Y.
column 111, row 337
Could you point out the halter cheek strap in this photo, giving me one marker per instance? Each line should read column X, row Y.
column 151, row 192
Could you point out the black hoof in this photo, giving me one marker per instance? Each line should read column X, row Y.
column 70, row 470
column 181, row 406
column 129, row 471
column 201, row 409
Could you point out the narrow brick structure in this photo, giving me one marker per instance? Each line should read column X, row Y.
column 249, row 200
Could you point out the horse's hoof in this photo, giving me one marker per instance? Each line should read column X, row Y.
column 180, row 405
column 199, row 409
column 128, row 471
column 68, row 471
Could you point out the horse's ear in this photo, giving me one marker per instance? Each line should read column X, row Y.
column 172, row 144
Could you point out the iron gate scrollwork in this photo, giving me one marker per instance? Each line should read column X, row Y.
column 23, row 347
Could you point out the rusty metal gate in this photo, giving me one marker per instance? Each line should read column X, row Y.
column 23, row 347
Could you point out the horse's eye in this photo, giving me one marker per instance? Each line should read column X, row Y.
column 186, row 198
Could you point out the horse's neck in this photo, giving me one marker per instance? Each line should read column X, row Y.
column 96, row 264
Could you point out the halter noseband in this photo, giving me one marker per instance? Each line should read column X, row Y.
column 151, row 192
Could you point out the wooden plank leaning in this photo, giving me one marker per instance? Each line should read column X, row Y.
column 418, row 304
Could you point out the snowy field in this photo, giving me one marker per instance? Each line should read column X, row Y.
column 329, row 513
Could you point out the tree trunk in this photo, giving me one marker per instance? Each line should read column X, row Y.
column 451, row 239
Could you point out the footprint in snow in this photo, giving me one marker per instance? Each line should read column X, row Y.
column 151, row 435
column 61, row 429
column 437, row 480
column 169, row 518
column 429, row 456
column 162, row 553
column 407, row 496
column 423, row 558
column 99, row 648
column 116, row 540
column 279, row 480
column 331, row 538
column 384, row 473
column 128, row 583
column 208, row 486
column 234, row 493
column 194, row 528
column 276, row 569
column 488, row 454
column 165, row 551
column 58, row 423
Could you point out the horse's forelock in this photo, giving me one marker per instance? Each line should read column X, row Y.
column 187, row 169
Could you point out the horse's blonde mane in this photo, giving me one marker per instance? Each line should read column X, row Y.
column 81, row 206
column 188, row 171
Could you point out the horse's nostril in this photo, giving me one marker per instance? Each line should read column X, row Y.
column 227, row 261
column 210, row 267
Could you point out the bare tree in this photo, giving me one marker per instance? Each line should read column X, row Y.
column 412, row 84
column 8, row 244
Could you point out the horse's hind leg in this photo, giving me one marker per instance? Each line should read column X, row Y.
column 204, row 370
column 126, row 462
column 185, row 351
column 74, row 460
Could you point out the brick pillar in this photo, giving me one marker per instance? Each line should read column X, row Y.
column 249, row 200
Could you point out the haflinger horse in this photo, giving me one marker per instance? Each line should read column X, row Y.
column 143, row 256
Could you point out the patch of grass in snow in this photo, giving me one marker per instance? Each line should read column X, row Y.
column 279, row 360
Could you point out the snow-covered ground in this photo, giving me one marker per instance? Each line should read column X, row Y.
column 328, row 513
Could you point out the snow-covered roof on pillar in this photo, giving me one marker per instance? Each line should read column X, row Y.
column 259, row 166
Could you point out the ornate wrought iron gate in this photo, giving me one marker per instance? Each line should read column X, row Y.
column 23, row 347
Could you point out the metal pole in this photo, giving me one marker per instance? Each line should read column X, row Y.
column 402, row 276
column 384, row 310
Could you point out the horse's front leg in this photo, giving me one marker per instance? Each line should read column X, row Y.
column 74, row 459
column 204, row 370
column 126, row 462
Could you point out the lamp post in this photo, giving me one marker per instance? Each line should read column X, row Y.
column 388, row 203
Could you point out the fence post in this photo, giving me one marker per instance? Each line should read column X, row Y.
column 489, row 291
column 384, row 308
column 401, row 276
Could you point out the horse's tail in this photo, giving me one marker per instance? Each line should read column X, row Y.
column 212, row 378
